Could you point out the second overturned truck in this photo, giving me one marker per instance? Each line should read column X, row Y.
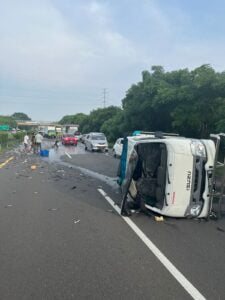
column 167, row 174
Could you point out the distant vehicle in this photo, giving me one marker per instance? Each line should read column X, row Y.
column 168, row 174
column 78, row 135
column 48, row 132
column 118, row 147
column 69, row 139
column 96, row 141
column 51, row 134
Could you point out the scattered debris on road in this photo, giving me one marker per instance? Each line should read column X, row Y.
column 159, row 219
column 220, row 229
column 23, row 175
column 33, row 167
column 74, row 187
column 76, row 221
column 52, row 209
column 110, row 210
column 9, row 205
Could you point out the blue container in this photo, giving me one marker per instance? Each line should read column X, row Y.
column 44, row 153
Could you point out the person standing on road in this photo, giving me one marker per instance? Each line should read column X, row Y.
column 26, row 141
column 38, row 141
column 33, row 143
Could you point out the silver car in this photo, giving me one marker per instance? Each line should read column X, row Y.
column 96, row 141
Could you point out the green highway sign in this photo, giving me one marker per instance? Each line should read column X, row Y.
column 4, row 127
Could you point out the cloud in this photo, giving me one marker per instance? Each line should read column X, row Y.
column 40, row 46
column 53, row 49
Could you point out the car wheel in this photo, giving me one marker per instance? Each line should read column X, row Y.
column 114, row 153
column 92, row 150
column 85, row 148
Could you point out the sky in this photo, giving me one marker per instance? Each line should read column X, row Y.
column 57, row 56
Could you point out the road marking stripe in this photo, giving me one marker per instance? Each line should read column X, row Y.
column 68, row 154
column 7, row 161
column 184, row 282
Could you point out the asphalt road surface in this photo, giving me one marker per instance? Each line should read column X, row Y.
column 61, row 239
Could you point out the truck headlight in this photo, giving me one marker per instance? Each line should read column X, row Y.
column 198, row 148
column 195, row 210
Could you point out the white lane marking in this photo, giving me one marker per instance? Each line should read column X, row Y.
column 68, row 154
column 184, row 282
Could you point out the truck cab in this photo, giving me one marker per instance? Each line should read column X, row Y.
column 167, row 174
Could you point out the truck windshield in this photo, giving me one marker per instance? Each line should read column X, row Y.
column 69, row 135
column 147, row 178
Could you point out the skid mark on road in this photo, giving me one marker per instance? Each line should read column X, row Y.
column 6, row 162
column 111, row 181
column 184, row 282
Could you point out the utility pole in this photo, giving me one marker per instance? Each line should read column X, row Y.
column 104, row 97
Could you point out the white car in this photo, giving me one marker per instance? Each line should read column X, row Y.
column 118, row 147
column 167, row 174
column 96, row 141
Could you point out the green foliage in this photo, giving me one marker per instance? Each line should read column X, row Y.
column 19, row 135
column 113, row 128
column 20, row 116
column 73, row 119
column 95, row 120
column 8, row 121
column 191, row 103
column 8, row 140
column 3, row 139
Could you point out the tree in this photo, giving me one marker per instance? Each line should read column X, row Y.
column 202, row 106
column 7, row 120
column 20, row 116
column 113, row 128
column 73, row 119
column 97, row 117
column 189, row 102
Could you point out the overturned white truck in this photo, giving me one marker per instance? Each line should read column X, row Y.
column 167, row 174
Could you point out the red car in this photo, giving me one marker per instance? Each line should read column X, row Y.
column 69, row 139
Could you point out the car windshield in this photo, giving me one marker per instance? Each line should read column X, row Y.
column 69, row 135
column 98, row 137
